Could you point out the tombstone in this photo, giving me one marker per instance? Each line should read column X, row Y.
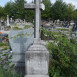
column 11, row 20
column 19, row 45
column 58, row 21
column 8, row 21
column 55, row 22
column 37, row 55
column 24, row 21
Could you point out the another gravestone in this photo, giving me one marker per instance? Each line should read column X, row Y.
column 37, row 56
column 11, row 20
column 20, row 40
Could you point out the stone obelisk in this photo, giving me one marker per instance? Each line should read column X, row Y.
column 8, row 21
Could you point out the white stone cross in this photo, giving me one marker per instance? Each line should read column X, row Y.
column 37, row 6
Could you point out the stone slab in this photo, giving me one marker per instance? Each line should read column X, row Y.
column 18, row 58
column 36, row 76
column 37, row 60
column 20, row 44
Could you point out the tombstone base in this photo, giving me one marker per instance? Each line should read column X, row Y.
column 36, row 76
column 37, row 61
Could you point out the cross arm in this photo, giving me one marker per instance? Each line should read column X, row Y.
column 29, row 6
column 33, row 6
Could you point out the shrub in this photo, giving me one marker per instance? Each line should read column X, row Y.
column 4, row 44
column 6, row 68
column 63, row 57
column 5, row 73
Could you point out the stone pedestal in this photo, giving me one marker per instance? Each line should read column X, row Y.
column 36, row 76
column 37, row 60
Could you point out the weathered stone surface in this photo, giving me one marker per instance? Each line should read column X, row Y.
column 37, row 60
column 29, row 6
column 36, row 76
column 20, row 44
column 37, row 56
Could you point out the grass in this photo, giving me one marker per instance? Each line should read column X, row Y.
column 5, row 46
column 63, row 29
column 27, row 26
column 5, row 73
column 17, row 28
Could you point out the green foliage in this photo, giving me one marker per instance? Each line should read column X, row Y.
column 16, row 28
column 4, row 44
column 9, row 9
column 50, row 34
column 71, row 12
column 27, row 26
column 46, row 12
column 5, row 56
column 63, row 56
column 63, row 29
column 5, row 73
column 58, row 10
column 19, row 11
column 1, row 11
column 6, row 68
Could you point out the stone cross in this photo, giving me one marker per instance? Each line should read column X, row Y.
column 37, row 7
column 37, row 55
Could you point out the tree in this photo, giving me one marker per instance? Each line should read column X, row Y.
column 74, row 15
column 9, row 9
column 1, row 12
column 58, row 10
column 20, row 12
column 46, row 12
column 71, row 11
column 19, row 9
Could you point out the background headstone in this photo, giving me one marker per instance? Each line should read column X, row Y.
column 19, row 45
column 11, row 20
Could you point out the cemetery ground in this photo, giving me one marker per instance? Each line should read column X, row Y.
column 61, row 43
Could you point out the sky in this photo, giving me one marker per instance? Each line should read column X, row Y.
column 74, row 2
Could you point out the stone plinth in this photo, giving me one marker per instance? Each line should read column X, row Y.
column 37, row 61
column 36, row 76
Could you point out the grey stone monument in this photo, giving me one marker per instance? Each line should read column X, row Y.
column 11, row 20
column 8, row 20
column 19, row 45
column 37, row 55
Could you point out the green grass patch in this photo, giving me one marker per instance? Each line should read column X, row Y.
column 27, row 26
